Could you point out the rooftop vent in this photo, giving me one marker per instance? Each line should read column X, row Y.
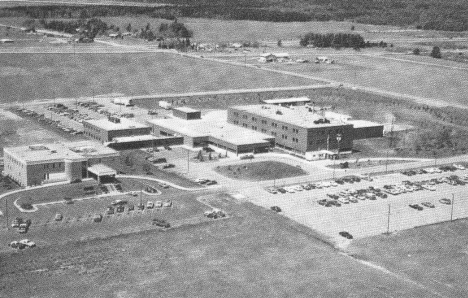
column 114, row 119
column 38, row 147
column 278, row 112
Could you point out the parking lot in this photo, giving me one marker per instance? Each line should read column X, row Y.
column 77, row 219
column 366, row 217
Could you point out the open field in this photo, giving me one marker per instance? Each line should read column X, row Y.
column 259, row 171
column 253, row 253
column 434, row 255
column 426, row 77
column 36, row 76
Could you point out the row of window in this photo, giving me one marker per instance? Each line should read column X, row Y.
column 52, row 165
column 255, row 119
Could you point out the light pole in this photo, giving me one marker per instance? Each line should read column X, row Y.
column 451, row 212
column 338, row 139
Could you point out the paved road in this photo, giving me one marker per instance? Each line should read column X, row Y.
column 88, row 2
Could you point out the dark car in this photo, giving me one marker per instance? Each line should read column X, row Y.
column 323, row 202
column 416, row 206
column 131, row 207
column 160, row 223
column 346, row 235
column 281, row 190
column 339, row 181
column 141, row 206
column 120, row 209
column 211, row 182
column 275, row 208
column 110, row 210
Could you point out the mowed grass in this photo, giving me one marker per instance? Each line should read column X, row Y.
column 45, row 76
column 444, row 81
column 254, row 253
column 434, row 256
column 259, row 171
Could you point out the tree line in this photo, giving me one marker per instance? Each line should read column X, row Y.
column 423, row 14
column 85, row 28
column 337, row 40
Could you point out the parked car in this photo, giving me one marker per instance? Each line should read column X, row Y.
column 119, row 202
column 27, row 243
column 211, row 182
column 272, row 190
column 416, row 206
column 428, row 204
column 275, row 208
column 149, row 205
column 110, row 210
column 163, row 185
column 167, row 203
column 346, row 235
column 120, row 209
column 160, row 223
column 131, row 207
column 16, row 222
column 445, row 201
column 158, row 204
column 97, row 217
column 58, row 217
column 141, row 206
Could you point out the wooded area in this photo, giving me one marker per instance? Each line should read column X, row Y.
column 429, row 15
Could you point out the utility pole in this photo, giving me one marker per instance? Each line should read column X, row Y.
column 388, row 220
column 188, row 161
column 6, row 212
column 451, row 212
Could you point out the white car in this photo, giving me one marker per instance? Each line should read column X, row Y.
column 27, row 242
column 297, row 188
column 158, row 204
column 458, row 166
column 428, row 187
column 289, row 189
column 167, row 203
column 343, row 200
column 333, row 183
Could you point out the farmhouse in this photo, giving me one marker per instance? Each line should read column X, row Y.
column 39, row 164
column 105, row 130
column 274, row 57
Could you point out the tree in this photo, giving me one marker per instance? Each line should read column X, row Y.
column 129, row 27
column 416, row 51
column 352, row 28
column 146, row 167
column 280, row 43
column 436, row 53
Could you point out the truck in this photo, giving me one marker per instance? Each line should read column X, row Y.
column 165, row 105
column 123, row 101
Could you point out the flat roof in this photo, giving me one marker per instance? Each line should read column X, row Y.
column 107, row 125
column 102, row 170
column 364, row 123
column 76, row 151
column 214, row 125
column 134, row 139
column 287, row 100
column 299, row 115
column 185, row 109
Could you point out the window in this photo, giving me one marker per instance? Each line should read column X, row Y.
column 283, row 127
column 295, row 130
column 263, row 130
column 254, row 119
column 244, row 125
column 236, row 122
column 236, row 114
column 273, row 133
column 244, row 116
column 254, row 127
column 264, row 122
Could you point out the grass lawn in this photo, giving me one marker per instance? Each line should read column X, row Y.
column 37, row 76
column 137, row 161
column 434, row 255
column 254, row 253
column 259, row 171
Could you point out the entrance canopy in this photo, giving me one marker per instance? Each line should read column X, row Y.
column 102, row 170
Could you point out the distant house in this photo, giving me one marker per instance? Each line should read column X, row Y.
column 236, row 45
column 274, row 57
column 324, row 59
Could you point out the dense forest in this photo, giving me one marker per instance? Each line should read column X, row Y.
column 427, row 14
